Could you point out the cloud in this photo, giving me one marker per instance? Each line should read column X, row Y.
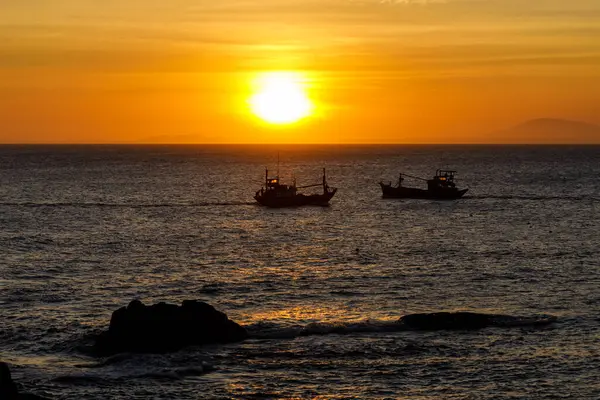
column 410, row 38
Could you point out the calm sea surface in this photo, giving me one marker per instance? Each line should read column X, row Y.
column 84, row 230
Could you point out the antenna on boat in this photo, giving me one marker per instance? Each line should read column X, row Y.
column 278, row 164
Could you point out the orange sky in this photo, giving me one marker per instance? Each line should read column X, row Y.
column 114, row 71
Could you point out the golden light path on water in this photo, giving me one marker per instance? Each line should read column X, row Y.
column 280, row 97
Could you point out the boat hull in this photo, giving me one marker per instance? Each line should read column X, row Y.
column 390, row 192
column 298, row 200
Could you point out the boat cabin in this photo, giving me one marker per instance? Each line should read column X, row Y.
column 273, row 187
column 443, row 179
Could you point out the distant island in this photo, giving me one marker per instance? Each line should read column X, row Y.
column 549, row 130
column 534, row 131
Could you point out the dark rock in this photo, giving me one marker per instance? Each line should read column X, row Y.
column 447, row 320
column 8, row 388
column 163, row 327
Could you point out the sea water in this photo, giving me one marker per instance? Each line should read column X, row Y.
column 86, row 229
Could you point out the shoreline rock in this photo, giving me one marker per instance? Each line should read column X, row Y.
column 9, row 389
column 163, row 328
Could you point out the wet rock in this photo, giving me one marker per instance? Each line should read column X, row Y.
column 471, row 321
column 9, row 389
column 163, row 327
column 447, row 320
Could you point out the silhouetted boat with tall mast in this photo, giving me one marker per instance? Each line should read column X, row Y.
column 441, row 187
column 277, row 195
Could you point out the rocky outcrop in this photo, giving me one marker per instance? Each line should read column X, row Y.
column 446, row 320
column 9, row 389
column 469, row 321
column 163, row 327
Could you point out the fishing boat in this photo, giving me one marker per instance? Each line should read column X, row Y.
column 277, row 195
column 440, row 187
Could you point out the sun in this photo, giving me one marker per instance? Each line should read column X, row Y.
column 280, row 98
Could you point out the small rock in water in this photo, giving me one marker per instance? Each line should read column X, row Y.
column 470, row 321
column 163, row 327
column 446, row 320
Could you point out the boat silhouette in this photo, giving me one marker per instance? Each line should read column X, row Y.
column 440, row 187
column 277, row 195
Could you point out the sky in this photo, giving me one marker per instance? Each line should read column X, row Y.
column 378, row 71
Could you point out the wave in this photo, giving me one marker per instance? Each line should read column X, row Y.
column 436, row 321
column 126, row 205
column 532, row 198
column 252, row 203
column 80, row 380
column 172, row 374
column 136, row 372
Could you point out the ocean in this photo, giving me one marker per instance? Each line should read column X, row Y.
column 86, row 229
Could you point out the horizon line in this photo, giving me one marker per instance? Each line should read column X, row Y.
column 291, row 144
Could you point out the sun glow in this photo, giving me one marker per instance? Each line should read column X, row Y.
column 280, row 98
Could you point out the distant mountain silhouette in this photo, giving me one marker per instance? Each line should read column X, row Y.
column 170, row 139
column 549, row 130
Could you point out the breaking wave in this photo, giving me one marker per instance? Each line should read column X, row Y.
column 136, row 372
column 267, row 330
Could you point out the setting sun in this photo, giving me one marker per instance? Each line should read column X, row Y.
column 280, row 98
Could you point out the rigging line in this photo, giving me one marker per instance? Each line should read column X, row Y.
column 414, row 177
